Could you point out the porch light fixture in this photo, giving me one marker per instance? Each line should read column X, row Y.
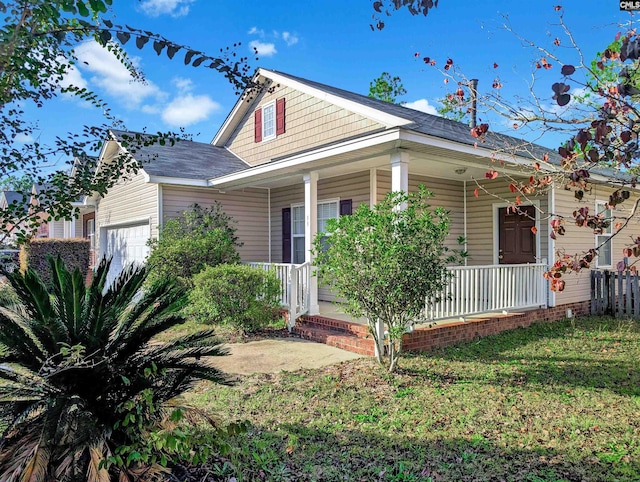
column 460, row 170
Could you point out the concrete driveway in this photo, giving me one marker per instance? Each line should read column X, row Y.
column 273, row 356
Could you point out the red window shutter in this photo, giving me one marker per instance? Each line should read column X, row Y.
column 258, row 126
column 345, row 207
column 280, row 123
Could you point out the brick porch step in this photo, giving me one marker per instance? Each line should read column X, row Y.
column 341, row 334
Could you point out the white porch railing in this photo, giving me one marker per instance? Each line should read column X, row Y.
column 480, row 289
column 294, row 286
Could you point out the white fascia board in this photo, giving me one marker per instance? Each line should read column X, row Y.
column 489, row 154
column 388, row 120
column 175, row 180
column 239, row 109
column 471, row 150
column 309, row 157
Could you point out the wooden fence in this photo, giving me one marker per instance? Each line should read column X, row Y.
column 615, row 293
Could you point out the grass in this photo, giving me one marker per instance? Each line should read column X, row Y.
column 555, row 402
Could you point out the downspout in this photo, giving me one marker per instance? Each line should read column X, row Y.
column 466, row 244
column 269, row 218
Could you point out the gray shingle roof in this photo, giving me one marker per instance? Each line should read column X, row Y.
column 15, row 197
column 435, row 125
column 184, row 159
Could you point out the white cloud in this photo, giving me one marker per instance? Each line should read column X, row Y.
column 116, row 80
column 289, row 38
column 73, row 77
column 23, row 138
column 189, row 109
column 422, row 105
column 264, row 49
column 256, row 31
column 175, row 8
column 183, row 84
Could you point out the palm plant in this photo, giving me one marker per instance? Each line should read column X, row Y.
column 81, row 375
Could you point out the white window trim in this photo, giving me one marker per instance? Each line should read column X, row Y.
column 609, row 234
column 328, row 201
column 272, row 136
column 299, row 205
column 293, row 235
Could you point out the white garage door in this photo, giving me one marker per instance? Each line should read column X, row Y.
column 126, row 245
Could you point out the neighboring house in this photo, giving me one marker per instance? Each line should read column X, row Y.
column 80, row 226
column 8, row 198
column 300, row 152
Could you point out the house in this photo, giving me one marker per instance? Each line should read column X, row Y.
column 299, row 152
column 15, row 202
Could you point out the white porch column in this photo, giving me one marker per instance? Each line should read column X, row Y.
column 72, row 228
column 310, row 230
column 400, row 170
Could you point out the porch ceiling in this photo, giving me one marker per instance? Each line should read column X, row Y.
column 426, row 159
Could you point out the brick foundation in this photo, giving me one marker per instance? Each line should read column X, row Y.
column 355, row 337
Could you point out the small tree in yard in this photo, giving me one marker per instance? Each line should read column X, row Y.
column 200, row 237
column 385, row 261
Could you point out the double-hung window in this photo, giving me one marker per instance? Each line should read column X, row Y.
column 269, row 121
column 326, row 210
column 603, row 240
column 297, row 234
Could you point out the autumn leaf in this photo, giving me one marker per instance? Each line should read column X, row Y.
column 618, row 225
column 536, row 166
column 518, row 201
column 512, row 187
column 475, row 192
column 495, row 66
column 534, row 230
column 491, row 174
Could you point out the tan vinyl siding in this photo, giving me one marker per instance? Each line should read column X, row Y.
column 449, row 195
column 384, row 184
column 578, row 240
column 352, row 186
column 310, row 122
column 130, row 200
column 79, row 232
column 446, row 193
column 248, row 207
column 481, row 237
column 56, row 229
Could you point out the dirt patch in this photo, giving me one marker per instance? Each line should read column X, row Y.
column 275, row 355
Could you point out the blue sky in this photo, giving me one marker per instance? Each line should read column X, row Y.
column 328, row 41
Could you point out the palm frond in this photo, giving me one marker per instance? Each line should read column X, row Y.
column 37, row 466
column 68, row 298
column 21, row 342
column 95, row 473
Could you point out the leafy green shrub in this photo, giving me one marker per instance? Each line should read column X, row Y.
column 385, row 261
column 87, row 391
column 200, row 237
column 239, row 295
column 74, row 252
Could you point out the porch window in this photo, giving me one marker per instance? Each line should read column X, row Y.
column 297, row 234
column 603, row 240
column 326, row 210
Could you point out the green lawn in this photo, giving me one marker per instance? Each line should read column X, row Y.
column 553, row 402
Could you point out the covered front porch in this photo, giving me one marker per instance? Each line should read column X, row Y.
column 471, row 291
column 507, row 249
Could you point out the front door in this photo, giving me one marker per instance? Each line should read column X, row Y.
column 517, row 243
